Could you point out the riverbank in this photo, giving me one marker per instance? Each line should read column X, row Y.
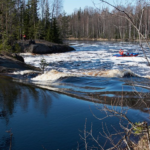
column 9, row 63
column 102, row 39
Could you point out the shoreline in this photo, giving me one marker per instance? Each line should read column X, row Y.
column 101, row 39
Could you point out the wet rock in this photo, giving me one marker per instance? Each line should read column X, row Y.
column 18, row 57
column 40, row 49
column 31, row 42
column 43, row 47
column 9, row 64
column 3, row 69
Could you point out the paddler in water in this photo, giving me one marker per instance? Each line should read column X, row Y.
column 121, row 52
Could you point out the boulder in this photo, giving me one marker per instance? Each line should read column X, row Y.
column 40, row 49
column 43, row 47
column 31, row 42
column 10, row 64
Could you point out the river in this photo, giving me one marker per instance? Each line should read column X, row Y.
column 50, row 111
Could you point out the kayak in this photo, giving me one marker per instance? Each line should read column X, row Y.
column 125, row 55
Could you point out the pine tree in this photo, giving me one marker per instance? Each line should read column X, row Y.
column 19, row 17
column 31, row 19
column 6, row 23
column 34, row 10
column 26, row 22
column 47, row 23
column 55, row 34
column 64, row 25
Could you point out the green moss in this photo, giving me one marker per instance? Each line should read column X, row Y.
column 139, row 128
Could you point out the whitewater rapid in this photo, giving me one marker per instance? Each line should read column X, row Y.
column 94, row 59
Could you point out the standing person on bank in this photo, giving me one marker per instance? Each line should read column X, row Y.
column 24, row 37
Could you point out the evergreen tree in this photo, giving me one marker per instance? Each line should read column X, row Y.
column 26, row 22
column 31, row 19
column 40, row 30
column 34, row 19
column 19, row 17
column 6, row 23
column 53, row 34
column 47, row 23
column 64, row 25
column 54, row 31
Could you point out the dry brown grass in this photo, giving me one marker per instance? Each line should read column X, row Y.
column 142, row 144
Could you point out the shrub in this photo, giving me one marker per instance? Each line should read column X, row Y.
column 43, row 64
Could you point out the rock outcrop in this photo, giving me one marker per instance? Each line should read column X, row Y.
column 8, row 63
column 43, row 47
column 15, row 62
column 18, row 57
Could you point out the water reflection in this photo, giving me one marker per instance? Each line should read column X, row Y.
column 130, row 99
column 12, row 93
column 107, row 90
column 39, row 117
column 5, row 143
column 8, row 94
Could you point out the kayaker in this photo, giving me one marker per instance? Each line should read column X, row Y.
column 121, row 52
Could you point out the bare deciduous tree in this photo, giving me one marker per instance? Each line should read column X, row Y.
column 128, row 127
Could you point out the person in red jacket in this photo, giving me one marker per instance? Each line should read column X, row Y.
column 121, row 52
column 24, row 37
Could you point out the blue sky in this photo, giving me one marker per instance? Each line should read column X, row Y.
column 71, row 5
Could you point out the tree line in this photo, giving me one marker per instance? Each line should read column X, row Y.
column 103, row 23
column 44, row 19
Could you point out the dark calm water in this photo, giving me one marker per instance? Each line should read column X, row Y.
column 40, row 118
column 54, row 119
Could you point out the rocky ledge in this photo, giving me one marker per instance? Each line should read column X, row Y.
column 43, row 47
column 13, row 62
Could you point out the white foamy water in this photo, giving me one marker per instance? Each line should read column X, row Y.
column 25, row 72
column 94, row 59
column 51, row 75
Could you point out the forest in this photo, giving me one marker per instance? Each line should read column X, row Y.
column 93, row 22
column 47, row 20
column 32, row 18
